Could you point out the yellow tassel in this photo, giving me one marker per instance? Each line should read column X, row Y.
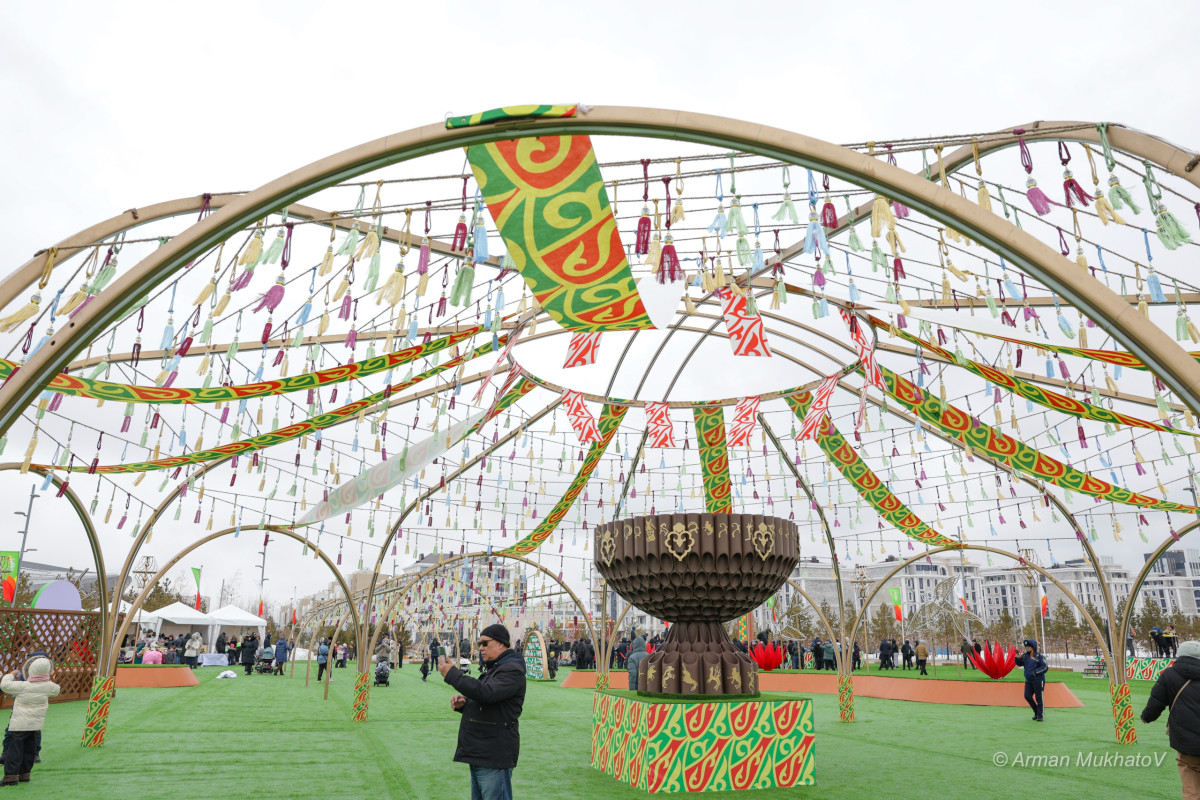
column 881, row 215
column 139, row 477
column 1080, row 258
column 203, row 366
column 1188, row 419
column 677, row 212
column 719, row 279
column 209, row 289
column 1110, row 383
column 655, row 254
column 258, row 418
column 955, row 271
column 324, row 326
column 253, row 250
column 199, row 445
column 1193, row 333
column 954, row 235
column 342, row 288
column 945, row 289
column 706, row 281
column 220, row 309
column 78, row 297
column 326, row 262
column 688, row 305
column 905, row 308
column 893, row 240
column 369, row 246
column 985, row 197
column 23, row 313
column 29, row 455
column 422, row 284
column 393, row 289
column 1105, row 210
column 283, row 372
column 1143, row 308
column 1083, row 335
column 532, row 326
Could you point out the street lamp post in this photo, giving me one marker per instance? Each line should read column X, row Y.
column 27, row 514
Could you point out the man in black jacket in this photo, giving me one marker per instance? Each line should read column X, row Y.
column 1035, row 668
column 1172, row 690
column 489, row 739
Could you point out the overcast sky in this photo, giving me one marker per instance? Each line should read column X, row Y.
column 112, row 106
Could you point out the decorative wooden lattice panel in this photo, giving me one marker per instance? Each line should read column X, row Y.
column 70, row 638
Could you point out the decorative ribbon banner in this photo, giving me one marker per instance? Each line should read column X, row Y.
column 745, row 417
column 714, row 458
column 866, row 350
column 746, row 331
column 389, row 474
column 504, row 357
column 1036, row 394
column 610, row 420
column 506, row 397
column 1015, row 454
column 581, row 419
column 810, row 425
column 866, row 482
column 310, row 425
column 550, row 206
column 582, row 350
column 659, row 425
column 128, row 393
column 509, row 113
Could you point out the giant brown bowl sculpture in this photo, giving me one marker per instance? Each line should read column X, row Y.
column 697, row 571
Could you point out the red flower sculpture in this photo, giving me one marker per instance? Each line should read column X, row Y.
column 10, row 589
column 994, row 661
column 768, row 656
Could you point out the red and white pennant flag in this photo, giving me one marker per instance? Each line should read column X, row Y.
column 582, row 350
column 659, row 425
column 745, row 417
column 581, row 418
column 866, row 350
column 512, row 340
column 811, row 425
column 746, row 331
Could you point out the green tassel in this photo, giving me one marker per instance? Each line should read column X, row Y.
column 99, row 368
column 1170, row 232
column 231, row 353
column 991, row 303
column 878, row 259
column 856, row 245
column 372, row 275
column 1119, row 196
column 743, row 252
column 1166, row 458
column 1181, row 328
column 460, row 295
column 103, row 277
column 206, row 332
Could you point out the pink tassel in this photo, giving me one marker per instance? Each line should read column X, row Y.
column 1007, row 320
column 352, row 338
column 819, row 279
column 224, row 414
column 668, row 268
column 900, row 210
column 1062, row 370
column 242, row 281
column 125, row 424
column 271, row 299
column 55, row 402
column 184, row 346
column 344, row 311
column 81, row 306
column 460, row 234
column 898, row 269
column 1082, row 436
column 1072, row 187
column 266, row 334
column 642, row 245
column 137, row 351
column 170, row 379
column 829, row 215
column 1037, row 198
column 441, row 309
column 423, row 260
column 278, row 358
column 901, row 322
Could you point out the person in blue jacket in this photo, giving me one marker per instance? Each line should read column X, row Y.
column 322, row 659
column 281, row 656
column 1035, row 677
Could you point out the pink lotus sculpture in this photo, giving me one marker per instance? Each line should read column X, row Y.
column 994, row 661
column 768, row 656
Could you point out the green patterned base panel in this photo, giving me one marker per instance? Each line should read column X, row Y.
column 846, row 699
column 1123, row 720
column 704, row 747
column 95, row 723
column 362, row 693
column 1146, row 669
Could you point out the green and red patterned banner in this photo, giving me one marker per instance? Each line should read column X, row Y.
column 550, row 206
column 310, row 425
column 1043, row 397
column 865, row 481
column 610, row 420
column 509, row 113
column 523, row 387
column 846, row 698
column 714, row 458
column 362, row 694
column 128, row 393
column 704, row 746
column 1107, row 356
column 1123, row 720
column 95, row 723
column 1146, row 669
column 1015, row 454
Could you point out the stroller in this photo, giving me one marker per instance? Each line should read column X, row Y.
column 264, row 664
column 382, row 674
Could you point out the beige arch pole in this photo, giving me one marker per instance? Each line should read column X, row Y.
column 141, row 598
column 89, row 530
column 1127, row 614
column 1153, row 346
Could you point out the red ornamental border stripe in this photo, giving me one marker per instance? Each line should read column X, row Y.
column 1043, row 397
column 281, row 435
column 610, row 421
column 130, row 393
column 1017, row 455
column 865, row 481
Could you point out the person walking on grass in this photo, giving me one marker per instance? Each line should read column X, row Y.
column 1035, row 677
column 281, row 656
column 31, row 697
column 967, row 651
column 322, row 659
column 424, row 669
column 489, row 735
column 1173, row 691
column 922, row 653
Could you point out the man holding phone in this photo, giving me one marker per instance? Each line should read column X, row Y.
column 489, row 739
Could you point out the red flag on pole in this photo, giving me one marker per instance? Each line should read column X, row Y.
column 260, row 606
column 293, row 616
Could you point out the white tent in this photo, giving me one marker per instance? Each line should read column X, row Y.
column 233, row 621
column 178, row 618
column 143, row 619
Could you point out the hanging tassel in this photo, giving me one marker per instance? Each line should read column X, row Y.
column 1080, row 258
column 372, row 280
column 393, row 289
column 275, row 250
column 669, row 270
column 881, row 215
column 481, row 243
column 342, row 287
column 302, row 318
column 717, row 226
column 460, row 294
column 351, row 242
column 208, row 291
column 1171, row 232
column 1072, row 189
column 423, row 257
column 344, row 312
column 814, row 236
column 22, row 314
column 369, row 246
column 106, row 274
column 1120, row 195
column 168, row 337
column 985, row 197
column 786, row 210
column 253, row 253
column 642, row 244
column 271, row 299
column 1156, row 292
column 460, row 234
column 1037, row 198
column 352, row 338
column 829, row 215
column 735, row 221
column 853, row 242
column 326, row 262
column 243, row 280
column 266, row 334
column 1104, row 210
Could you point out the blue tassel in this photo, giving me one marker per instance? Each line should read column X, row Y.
column 824, row 308
column 854, row 295
column 412, row 327
column 718, row 224
column 481, row 244
column 1156, row 292
column 258, row 373
column 759, row 263
column 241, row 407
column 302, row 318
column 1116, row 372
column 1065, row 326
column 168, row 338
column 1049, row 368
column 814, row 235
column 1012, row 289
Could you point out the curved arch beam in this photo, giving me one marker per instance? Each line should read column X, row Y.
column 1141, row 337
column 1136, row 587
column 141, row 598
column 93, row 542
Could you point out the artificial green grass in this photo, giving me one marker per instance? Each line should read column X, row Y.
column 274, row 734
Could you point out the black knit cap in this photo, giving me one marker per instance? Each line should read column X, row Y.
column 499, row 633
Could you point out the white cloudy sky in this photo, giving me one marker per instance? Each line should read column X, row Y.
column 117, row 105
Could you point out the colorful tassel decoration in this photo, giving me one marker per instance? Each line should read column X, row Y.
column 829, row 215
column 242, row 280
column 669, row 270
column 481, row 243
column 423, row 257
column 718, row 224
column 271, row 299
column 106, row 274
column 460, row 234
column 23, row 313
column 814, row 235
column 735, row 221
column 208, row 291
column 276, row 249
column 881, row 215
column 326, row 262
column 464, row 281
column 642, row 243
column 344, row 311
column 1105, row 211
column 1037, row 198
column 1072, row 189
column 372, row 280
column 253, row 252
column 393, row 289
column 1120, row 195
column 350, row 244
column 786, row 210
column 1155, row 286
column 1171, row 232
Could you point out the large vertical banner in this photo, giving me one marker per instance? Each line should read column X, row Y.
column 537, row 667
column 10, row 562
